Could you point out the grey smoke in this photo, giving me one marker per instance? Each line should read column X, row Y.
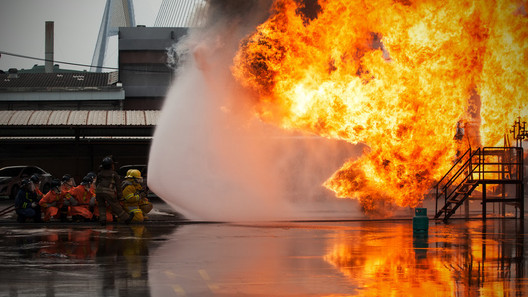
column 213, row 159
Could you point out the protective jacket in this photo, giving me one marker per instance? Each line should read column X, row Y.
column 107, row 192
column 24, row 199
column 51, row 203
column 51, row 199
column 131, row 198
column 65, row 194
column 26, row 205
column 107, row 182
column 80, row 202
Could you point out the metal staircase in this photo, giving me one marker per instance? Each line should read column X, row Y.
column 481, row 167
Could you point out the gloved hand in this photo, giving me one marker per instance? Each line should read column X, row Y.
column 92, row 201
column 33, row 204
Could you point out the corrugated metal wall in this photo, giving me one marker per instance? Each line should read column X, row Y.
column 79, row 117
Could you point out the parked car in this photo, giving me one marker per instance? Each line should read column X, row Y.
column 122, row 171
column 11, row 177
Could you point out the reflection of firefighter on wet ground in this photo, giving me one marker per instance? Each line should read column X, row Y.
column 70, row 243
column 124, row 254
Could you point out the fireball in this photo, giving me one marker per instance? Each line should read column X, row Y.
column 396, row 75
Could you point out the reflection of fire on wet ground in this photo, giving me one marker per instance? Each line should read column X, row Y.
column 468, row 258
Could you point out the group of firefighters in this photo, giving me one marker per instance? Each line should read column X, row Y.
column 99, row 197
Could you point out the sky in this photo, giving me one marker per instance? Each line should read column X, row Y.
column 76, row 27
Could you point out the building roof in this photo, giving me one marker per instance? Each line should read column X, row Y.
column 42, row 69
column 83, row 118
column 63, row 81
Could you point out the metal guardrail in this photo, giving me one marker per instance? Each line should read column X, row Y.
column 491, row 165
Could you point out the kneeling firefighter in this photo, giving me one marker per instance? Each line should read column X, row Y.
column 134, row 197
column 107, row 191
column 52, row 202
column 26, row 203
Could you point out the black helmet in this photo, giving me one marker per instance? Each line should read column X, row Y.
column 107, row 162
column 86, row 180
column 91, row 175
column 66, row 178
column 25, row 182
column 55, row 184
column 35, row 178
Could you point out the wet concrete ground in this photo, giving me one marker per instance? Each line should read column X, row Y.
column 168, row 256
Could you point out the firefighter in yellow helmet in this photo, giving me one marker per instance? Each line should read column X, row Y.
column 134, row 198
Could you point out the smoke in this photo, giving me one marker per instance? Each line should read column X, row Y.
column 212, row 159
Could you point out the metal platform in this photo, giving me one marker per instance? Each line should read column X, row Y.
column 498, row 171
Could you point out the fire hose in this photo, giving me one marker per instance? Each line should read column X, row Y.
column 7, row 210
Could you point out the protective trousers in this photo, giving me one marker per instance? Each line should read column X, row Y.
column 115, row 207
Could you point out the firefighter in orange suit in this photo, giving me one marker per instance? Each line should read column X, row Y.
column 52, row 202
column 67, row 184
column 80, row 200
column 134, row 196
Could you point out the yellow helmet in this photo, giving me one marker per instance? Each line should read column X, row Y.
column 133, row 173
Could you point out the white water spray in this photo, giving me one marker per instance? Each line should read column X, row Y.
column 212, row 159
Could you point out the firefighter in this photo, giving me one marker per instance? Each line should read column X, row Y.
column 52, row 202
column 80, row 201
column 108, row 191
column 67, row 184
column 134, row 198
column 26, row 203
column 95, row 207
column 36, row 181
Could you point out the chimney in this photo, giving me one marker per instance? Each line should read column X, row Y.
column 48, row 66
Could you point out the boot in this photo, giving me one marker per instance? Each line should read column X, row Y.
column 130, row 218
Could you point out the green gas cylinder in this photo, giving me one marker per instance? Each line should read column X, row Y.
column 420, row 221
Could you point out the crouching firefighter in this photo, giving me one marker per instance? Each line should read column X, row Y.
column 107, row 191
column 80, row 201
column 134, row 199
column 52, row 202
column 26, row 203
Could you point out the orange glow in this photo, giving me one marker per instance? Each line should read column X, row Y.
column 396, row 75
column 389, row 266
column 466, row 264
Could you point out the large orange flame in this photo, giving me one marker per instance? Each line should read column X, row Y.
column 397, row 75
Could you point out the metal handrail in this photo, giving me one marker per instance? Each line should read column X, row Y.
column 516, row 170
column 454, row 165
column 462, row 168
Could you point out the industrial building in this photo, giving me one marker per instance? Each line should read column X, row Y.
column 66, row 121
